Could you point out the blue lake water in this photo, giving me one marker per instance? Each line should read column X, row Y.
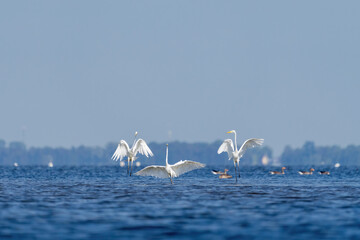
column 103, row 203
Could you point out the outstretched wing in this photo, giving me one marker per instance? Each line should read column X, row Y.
column 250, row 143
column 142, row 148
column 182, row 167
column 154, row 171
column 227, row 146
column 121, row 151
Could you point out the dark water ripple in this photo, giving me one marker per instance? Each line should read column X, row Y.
column 102, row 203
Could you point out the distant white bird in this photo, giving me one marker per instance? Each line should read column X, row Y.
column 170, row 171
column 235, row 154
column 123, row 150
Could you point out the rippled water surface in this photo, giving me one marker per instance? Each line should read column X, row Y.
column 103, row 203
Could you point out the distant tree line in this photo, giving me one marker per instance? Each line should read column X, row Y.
column 309, row 154
column 82, row 155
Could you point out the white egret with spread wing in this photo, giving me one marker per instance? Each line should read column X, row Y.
column 234, row 153
column 123, row 150
column 170, row 171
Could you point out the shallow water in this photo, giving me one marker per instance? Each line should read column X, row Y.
column 103, row 203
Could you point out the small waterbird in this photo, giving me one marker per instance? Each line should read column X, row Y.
column 324, row 172
column 223, row 174
column 234, row 153
column 170, row 171
column 123, row 150
column 310, row 172
column 219, row 172
column 277, row 172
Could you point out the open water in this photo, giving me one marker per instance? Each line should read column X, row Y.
column 103, row 203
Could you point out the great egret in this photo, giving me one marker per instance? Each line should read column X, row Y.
column 310, row 172
column 235, row 154
column 123, row 150
column 276, row 172
column 170, row 171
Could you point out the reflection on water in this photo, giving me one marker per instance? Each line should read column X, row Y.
column 102, row 202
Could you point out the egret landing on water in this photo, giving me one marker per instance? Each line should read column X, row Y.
column 170, row 171
column 235, row 154
column 123, row 150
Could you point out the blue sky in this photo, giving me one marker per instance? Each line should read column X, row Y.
column 91, row 72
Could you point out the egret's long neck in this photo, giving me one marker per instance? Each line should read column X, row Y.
column 134, row 139
column 167, row 153
column 235, row 141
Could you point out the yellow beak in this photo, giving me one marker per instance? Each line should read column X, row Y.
column 229, row 132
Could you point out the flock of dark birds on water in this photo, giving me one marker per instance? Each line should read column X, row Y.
column 282, row 172
column 175, row 170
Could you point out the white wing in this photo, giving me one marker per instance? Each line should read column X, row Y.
column 155, row 171
column 182, row 167
column 142, row 148
column 250, row 143
column 121, row 151
column 227, row 146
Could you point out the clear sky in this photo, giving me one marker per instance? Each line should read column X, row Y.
column 91, row 72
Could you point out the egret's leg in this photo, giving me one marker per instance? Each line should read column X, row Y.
column 238, row 168
column 131, row 167
column 127, row 173
column 235, row 172
column 171, row 180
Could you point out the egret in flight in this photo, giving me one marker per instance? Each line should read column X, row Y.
column 123, row 150
column 170, row 171
column 235, row 154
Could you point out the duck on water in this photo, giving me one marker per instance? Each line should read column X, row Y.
column 310, row 172
column 222, row 175
column 277, row 172
column 324, row 172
